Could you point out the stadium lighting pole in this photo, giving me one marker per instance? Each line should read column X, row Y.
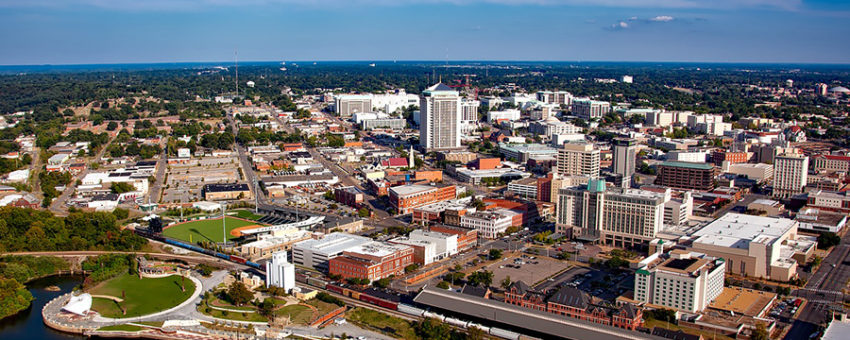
column 223, row 229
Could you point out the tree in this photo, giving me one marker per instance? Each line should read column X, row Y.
column 495, row 254
column 481, row 278
column 266, row 308
column 506, row 282
column 238, row 294
column 121, row 214
column 432, row 329
column 443, row 285
column 827, row 240
column 111, row 126
column 363, row 212
column 121, row 187
column 760, row 332
column 382, row 283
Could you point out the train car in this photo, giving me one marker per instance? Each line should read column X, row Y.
column 254, row 264
column 334, row 288
column 224, row 256
column 408, row 309
column 505, row 334
column 455, row 322
column 315, row 282
column 238, row 259
column 433, row 315
column 483, row 328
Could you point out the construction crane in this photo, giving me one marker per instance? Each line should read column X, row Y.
column 467, row 85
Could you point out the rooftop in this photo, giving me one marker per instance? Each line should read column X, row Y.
column 738, row 230
column 374, row 248
column 689, row 165
column 409, row 189
column 333, row 243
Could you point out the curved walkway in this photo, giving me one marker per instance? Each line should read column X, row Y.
column 191, row 300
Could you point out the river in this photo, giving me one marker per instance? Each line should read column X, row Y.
column 28, row 324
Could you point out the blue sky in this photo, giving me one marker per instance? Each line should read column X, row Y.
column 137, row 31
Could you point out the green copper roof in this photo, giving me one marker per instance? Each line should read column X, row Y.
column 642, row 271
column 699, row 166
column 596, row 185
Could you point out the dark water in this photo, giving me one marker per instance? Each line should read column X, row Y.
column 27, row 324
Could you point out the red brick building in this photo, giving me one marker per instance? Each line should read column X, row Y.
column 544, row 188
column 719, row 156
column 487, row 163
column 350, row 196
column 372, row 261
column 526, row 212
column 406, row 197
column 574, row 303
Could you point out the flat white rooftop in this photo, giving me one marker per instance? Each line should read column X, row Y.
column 404, row 190
column 738, row 230
column 378, row 249
column 333, row 243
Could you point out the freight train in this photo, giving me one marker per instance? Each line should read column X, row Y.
column 226, row 257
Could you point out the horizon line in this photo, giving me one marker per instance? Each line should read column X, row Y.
column 447, row 62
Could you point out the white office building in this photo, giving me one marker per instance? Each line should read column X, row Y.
column 578, row 159
column 555, row 97
column 790, row 174
column 279, row 272
column 682, row 281
column 488, row 223
column 589, row 109
column 315, row 253
column 439, row 118
column 508, row 115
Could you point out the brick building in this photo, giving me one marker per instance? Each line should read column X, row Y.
column 487, row 163
column 372, row 261
column 406, row 197
column 574, row 303
column 719, row 156
column 350, row 196
column 685, row 175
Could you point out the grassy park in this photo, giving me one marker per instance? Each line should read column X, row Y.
column 205, row 230
column 140, row 296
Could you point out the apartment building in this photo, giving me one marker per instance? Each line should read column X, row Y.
column 489, row 224
column 790, row 174
column 440, row 117
column 624, row 162
column 578, row 159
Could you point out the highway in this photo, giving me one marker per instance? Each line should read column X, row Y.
column 155, row 191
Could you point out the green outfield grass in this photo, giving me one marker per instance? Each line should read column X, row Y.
column 248, row 215
column 140, row 296
column 205, row 230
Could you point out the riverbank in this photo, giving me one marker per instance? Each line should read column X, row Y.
column 27, row 324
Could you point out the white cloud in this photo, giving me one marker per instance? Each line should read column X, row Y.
column 632, row 18
column 662, row 18
column 620, row 25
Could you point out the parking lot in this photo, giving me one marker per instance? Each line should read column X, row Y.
column 527, row 268
column 185, row 181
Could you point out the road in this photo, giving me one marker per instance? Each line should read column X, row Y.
column 58, row 205
column 155, row 191
column 823, row 290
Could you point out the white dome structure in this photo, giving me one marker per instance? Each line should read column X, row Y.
column 839, row 89
column 80, row 304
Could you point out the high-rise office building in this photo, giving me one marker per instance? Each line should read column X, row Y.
column 625, row 155
column 469, row 115
column 616, row 216
column 555, row 97
column 440, row 118
column 589, row 109
column 578, row 159
column 790, row 174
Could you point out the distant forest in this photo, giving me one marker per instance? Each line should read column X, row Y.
column 717, row 87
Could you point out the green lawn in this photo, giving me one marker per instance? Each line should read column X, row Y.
column 125, row 328
column 141, row 296
column 247, row 214
column 205, row 230
column 396, row 327
column 253, row 317
column 298, row 314
column 705, row 334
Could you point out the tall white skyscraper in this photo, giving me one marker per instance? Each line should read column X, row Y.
column 625, row 154
column 279, row 272
column 576, row 159
column 790, row 174
column 439, row 118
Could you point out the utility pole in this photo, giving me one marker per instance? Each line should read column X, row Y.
column 223, row 228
